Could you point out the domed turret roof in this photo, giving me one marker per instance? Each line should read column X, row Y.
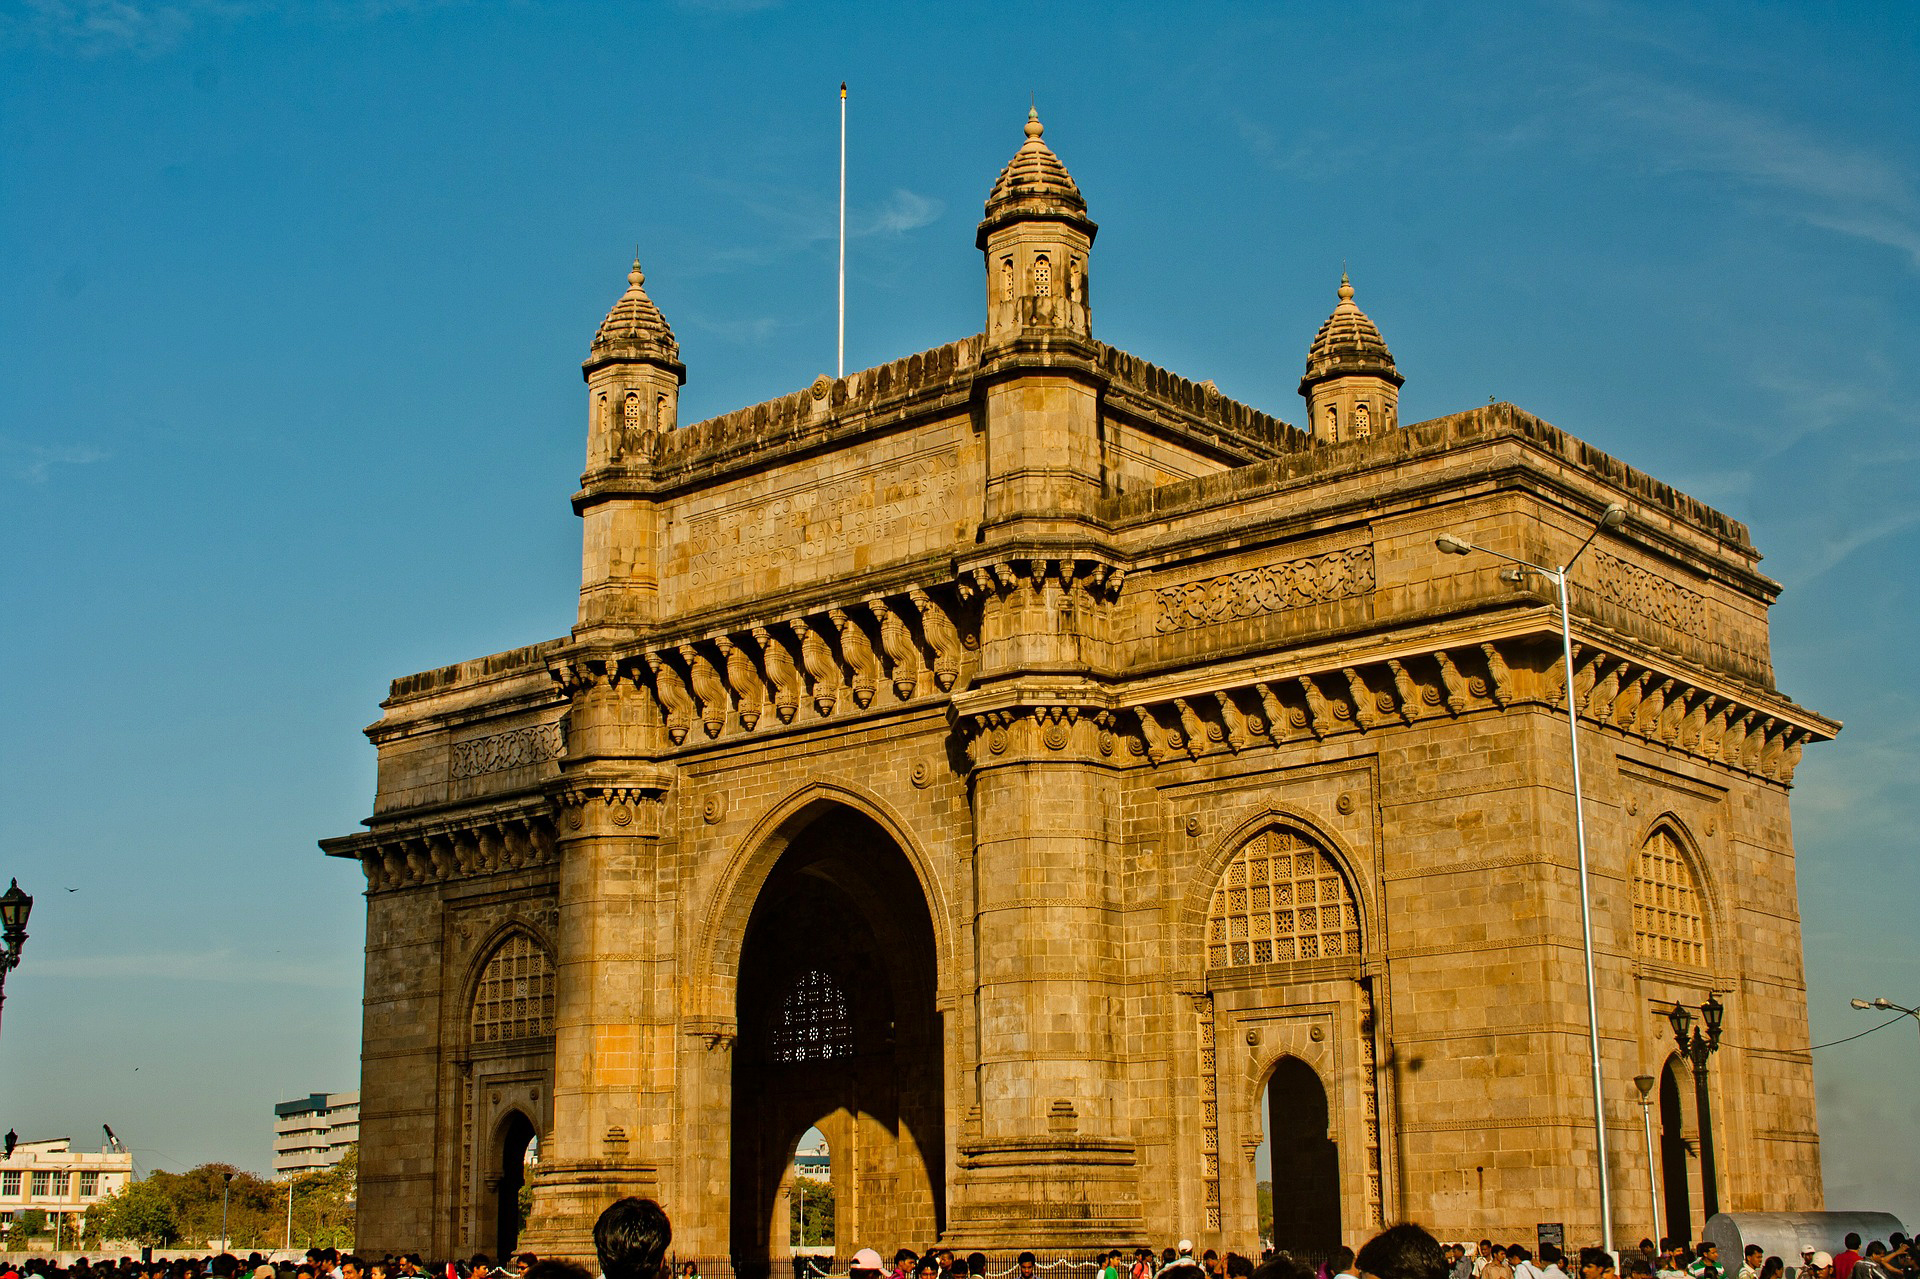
column 1034, row 184
column 634, row 329
column 1348, row 343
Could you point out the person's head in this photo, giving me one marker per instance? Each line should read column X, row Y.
column 1517, row 1253
column 1341, row 1261
column 1772, row 1266
column 1853, row 1240
column 1210, row 1255
column 1753, row 1252
column 1595, row 1263
column 1550, row 1254
column 865, row 1263
column 1493, row 1252
column 1185, row 1248
column 1404, row 1251
column 928, row 1267
column 1822, row 1263
column 1710, row 1250
column 1484, row 1248
column 1026, row 1265
column 976, row 1263
column 552, row 1269
column 351, row 1267
column 1239, row 1267
column 1876, row 1249
column 631, row 1238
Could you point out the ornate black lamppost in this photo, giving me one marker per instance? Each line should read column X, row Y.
column 15, row 906
column 1696, row 1048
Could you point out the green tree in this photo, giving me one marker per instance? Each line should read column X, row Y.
column 813, row 1203
column 140, row 1211
column 1263, row 1192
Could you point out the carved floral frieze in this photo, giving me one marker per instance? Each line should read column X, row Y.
column 1270, row 588
column 514, row 748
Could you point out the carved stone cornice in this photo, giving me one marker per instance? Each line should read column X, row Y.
column 629, row 802
column 788, row 670
column 1021, row 723
column 420, row 852
column 1252, row 708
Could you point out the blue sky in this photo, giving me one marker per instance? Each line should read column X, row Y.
column 296, row 294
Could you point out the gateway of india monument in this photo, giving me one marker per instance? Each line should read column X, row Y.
column 1082, row 796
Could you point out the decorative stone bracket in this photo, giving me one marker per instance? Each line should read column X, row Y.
column 811, row 665
column 1456, row 679
column 413, row 854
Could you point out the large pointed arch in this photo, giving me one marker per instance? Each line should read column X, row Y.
column 723, row 921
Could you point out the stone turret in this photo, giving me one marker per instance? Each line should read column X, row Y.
column 1351, row 386
column 1036, row 235
column 633, row 374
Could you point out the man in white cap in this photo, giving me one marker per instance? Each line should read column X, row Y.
column 865, row 1265
column 1822, row 1265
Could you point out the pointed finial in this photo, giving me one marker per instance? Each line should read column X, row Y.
column 1346, row 287
column 635, row 277
column 1034, row 127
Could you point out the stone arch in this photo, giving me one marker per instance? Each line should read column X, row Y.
column 513, row 1133
column 724, row 922
column 1683, row 851
column 1190, row 924
column 491, row 949
column 1304, row 1155
column 827, row 888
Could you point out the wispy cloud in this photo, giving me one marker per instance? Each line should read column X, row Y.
column 904, row 211
column 802, row 220
column 1823, row 182
column 34, row 463
column 222, row 966
column 95, row 28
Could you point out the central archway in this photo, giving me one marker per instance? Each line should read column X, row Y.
column 838, row 1030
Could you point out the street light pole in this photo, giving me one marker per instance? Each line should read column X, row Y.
column 1613, row 517
column 1645, row 1084
column 15, row 906
column 1697, row 1048
column 226, row 1193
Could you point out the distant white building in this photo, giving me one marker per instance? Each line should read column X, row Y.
column 313, row 1132
column 51, row 1176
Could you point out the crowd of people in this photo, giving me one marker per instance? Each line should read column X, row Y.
column 633, row 1238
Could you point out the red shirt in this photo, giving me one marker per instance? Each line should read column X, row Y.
column 1844, row 1263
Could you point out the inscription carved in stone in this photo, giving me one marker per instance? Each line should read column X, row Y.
column 515, row 748
column 1271, row 588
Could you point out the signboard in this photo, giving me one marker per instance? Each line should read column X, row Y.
column 1551, row 1232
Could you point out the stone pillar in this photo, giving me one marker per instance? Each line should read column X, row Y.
column 1052, row 1160
column 615, row 976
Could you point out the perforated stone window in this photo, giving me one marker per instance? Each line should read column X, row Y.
column 1362, row 422
column 813, row 1022
column 1042, row 277
column 1006, row 279
column 515, row 996
column 1281, row 899
column 1669, row 923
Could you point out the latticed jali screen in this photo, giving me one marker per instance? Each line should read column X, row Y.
column 1281, row 899
column 515, row 998
column 813, row 1023
column 1668, row 923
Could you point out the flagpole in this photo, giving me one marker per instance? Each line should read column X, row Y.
column 840, row 369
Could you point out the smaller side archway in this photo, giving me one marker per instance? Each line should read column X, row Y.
column 515, row 1144
column 1303, row 1169
column 1675, row 1150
